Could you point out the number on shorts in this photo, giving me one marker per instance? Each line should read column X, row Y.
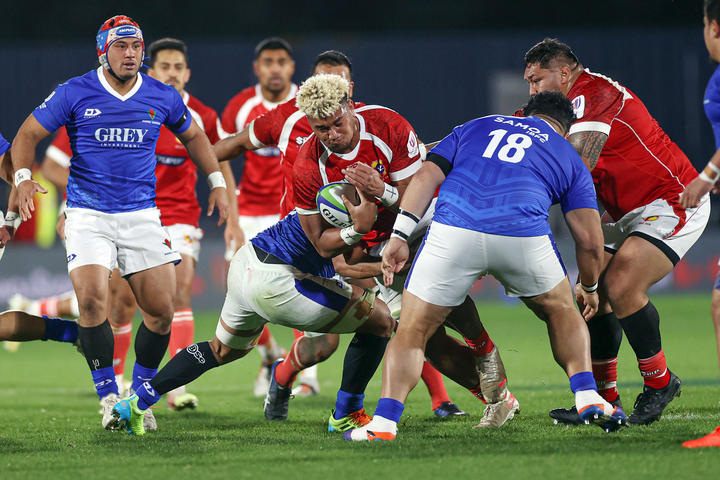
column 516, row 143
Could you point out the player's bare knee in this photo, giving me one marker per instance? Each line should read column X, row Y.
column 224, row 354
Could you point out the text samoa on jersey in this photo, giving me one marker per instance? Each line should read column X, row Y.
column 530, row 131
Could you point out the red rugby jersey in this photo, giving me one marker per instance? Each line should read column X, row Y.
column 639, row 163
column 387, row 143
column 261, row 186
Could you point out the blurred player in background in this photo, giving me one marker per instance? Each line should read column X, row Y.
column 288, row 128
column 639, row 174
column 259, row 192
column 709, row 177
column 115, row 114
column 480, row 228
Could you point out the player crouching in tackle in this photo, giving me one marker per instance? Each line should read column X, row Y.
column 484, row 163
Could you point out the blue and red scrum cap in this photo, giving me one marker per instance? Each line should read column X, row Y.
column 115, row 28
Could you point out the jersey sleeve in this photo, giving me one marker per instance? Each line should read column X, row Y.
column 266, row 129
column 447, row 146
column 59, row 150
column 56, row 110
column 581, row 191
column 179, row 118
column 406, row 158
column 227, row 120
column 596, row 107
column 306, row 181
column 4, row 145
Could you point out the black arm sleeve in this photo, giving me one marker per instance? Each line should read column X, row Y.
column 440, row 161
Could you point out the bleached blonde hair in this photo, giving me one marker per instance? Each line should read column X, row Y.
column 321, row 95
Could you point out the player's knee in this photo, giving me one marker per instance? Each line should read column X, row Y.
column 225, row 354
column 92, row 307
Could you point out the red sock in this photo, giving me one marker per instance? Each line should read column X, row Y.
column 264, row 337
column 182, row 331
column 122, row 335
column 605, row 373
column 654, row 370
column 435, row 385
column 482, row 345
column 49, row 306
column 287, row 370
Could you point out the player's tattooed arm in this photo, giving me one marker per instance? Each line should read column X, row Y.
column 589, row 144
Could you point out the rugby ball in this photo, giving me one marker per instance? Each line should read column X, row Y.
column 330, row 204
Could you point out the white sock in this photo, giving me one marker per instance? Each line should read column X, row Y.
column 381, row 424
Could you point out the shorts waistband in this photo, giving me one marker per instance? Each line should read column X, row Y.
column 266, row 257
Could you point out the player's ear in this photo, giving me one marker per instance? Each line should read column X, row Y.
column 350, row 89
column 187, row 75
column 255, row 67
column 715, row 28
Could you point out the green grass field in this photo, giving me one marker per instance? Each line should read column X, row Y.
column 49, row 426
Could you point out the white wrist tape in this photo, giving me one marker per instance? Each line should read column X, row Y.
column 21, row 175
column 423, row 152
column 350, row 235
column 714, row 168
column 591, row 289
column 705, row 178
column 216, row 180
column 12, row 219
column 405, row 224
column 390, row 195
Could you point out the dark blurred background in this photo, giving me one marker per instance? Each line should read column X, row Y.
column 437, row 63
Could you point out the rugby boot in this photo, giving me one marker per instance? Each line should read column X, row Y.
column 651, row 402
column 348, row 422
column 496, row 414
column 277, row 399
column 712, row 439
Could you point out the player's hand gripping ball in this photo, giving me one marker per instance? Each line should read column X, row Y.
column 330, row 204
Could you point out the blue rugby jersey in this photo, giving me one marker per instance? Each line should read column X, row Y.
column 506, row 172
column 711, row 104
column 113, row 138
column 4, row 145
column 287, row 241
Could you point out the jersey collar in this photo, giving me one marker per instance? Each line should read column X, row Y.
column 106, row 85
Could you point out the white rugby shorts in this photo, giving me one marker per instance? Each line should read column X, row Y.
column 185, row 239
column 251, row 226
column 134, row 241
column 451, row 259
column 669, row 227
column 259, row 293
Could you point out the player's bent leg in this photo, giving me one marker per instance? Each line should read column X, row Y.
column 122, row 311
column 307, row 350
column 570, row 342
column 402, row 367
column 638, row 264
column 154, row 289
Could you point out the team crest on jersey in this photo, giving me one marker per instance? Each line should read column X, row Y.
column 151, row 112
column 412, row 145
column 167, row 243
column 377, row 165
column 578, row 104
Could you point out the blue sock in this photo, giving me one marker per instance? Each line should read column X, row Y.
column 104, row 379
column 141, row 374
column 390, row 409
column 60, row 330
column 582, row 381
column 348, row 403
column 147, row 396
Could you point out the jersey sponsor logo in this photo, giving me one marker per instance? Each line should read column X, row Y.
column 519, row 123
column 300, row 140
column 91, row 112
column 578, row 104
column 412, row 145
column 120, row 137
column 170, row 161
